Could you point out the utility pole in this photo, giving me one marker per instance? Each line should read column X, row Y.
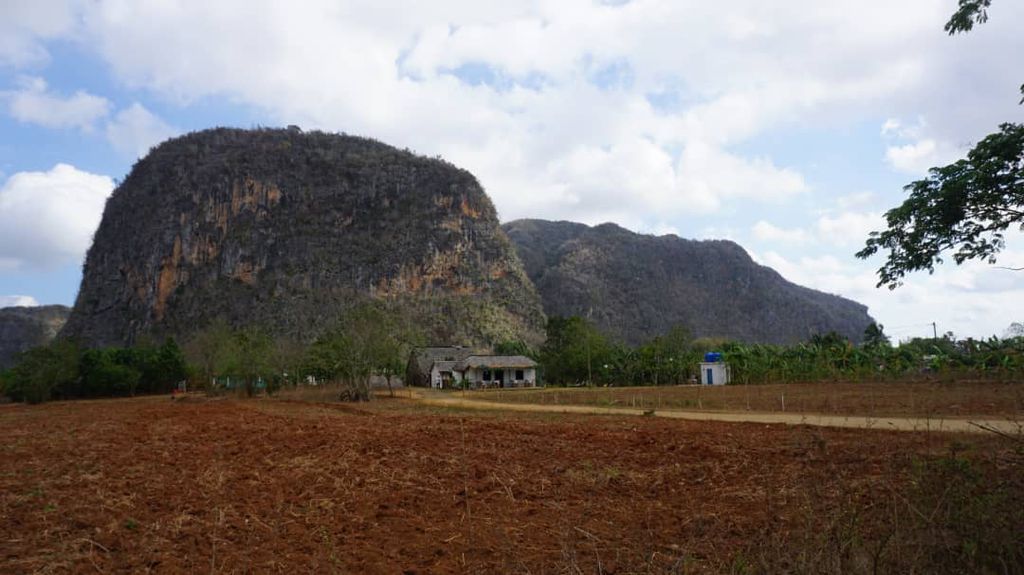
column 590, row 370
column 935, row 331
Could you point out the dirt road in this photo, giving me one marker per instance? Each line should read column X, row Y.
column 957, row 425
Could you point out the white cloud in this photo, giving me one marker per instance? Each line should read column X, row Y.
column 895, row 128
column 24, row 24
column 810, row 269
column 733, row 72
column 48, row 218
column 913, row 158
column 848, row 228
column 544, row 134
column 387, row 73
column 134, row 130
column 855, row 200
column 708, row 175
column 913, row 150
column 663, row 229
column 592, row 181
column 891, row 126
column 721, row 233
column 35, row 104
column 17, row 301
column 974, row 299
column 842, row 230
column 767, row 232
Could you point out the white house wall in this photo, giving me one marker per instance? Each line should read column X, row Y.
column 476, row 375
column 720, row 373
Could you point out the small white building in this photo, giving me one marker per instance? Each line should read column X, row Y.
column 498, row 371
column 460, row 367
column 714, row 373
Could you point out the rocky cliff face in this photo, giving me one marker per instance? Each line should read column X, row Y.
column 637, row 286
column 287, row 230
column 22, row 328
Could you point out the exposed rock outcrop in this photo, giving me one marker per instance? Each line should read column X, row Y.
column 22, row 328
column 287, row 230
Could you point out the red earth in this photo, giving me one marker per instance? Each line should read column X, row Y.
column 197, row 485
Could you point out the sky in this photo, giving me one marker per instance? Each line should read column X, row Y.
column 789, row 127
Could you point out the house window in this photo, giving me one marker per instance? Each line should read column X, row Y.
column 487, row 375
column 519, row 375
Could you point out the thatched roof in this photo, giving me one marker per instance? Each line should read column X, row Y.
column 447, row 365
column 426, row 356
column 498, row 361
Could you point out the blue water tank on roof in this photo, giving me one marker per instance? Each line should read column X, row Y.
column 712, row 357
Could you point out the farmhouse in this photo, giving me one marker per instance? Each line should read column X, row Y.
column 426, row 363
column 499, row 371
column 448, row 367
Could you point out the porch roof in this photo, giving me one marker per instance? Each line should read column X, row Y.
column 498, row 362
column 427, row 356
column 447, row 365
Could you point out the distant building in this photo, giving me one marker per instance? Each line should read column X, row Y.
column 498, row 371
column 421, row 369
column 714, row 371
column 450, row 367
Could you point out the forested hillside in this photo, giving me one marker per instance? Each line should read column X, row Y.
column 636, row 286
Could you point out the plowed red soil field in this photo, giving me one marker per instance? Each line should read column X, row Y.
column 958, row 398
column 220, row 486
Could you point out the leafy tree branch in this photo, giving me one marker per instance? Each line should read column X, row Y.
column 964, row 207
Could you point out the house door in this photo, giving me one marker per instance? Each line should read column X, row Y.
column 711, row 376
column 499, row 376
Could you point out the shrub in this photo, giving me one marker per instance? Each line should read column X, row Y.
column 43, row 372
column 955, row 514
column 104, row 373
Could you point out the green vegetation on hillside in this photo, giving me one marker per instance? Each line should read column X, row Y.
column 286, row 231
column 634, row 287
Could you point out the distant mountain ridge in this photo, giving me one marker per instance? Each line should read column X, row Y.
column 288, row 230
column 636, row 286
column 22, row 328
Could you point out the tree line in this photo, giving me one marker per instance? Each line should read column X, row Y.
column 576, row 353
column 64, row 370
column 370, row 340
